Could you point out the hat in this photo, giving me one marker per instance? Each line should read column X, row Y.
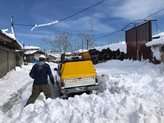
column 42, row 57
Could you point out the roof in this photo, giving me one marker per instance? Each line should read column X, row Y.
column 54, row 54
column 29, row 52
column 158, row 41
column 7, row 39
column 155, row 42
column 161, row 34
column 12, row 36
column 31, row 48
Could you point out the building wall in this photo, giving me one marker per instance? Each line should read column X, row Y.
column 7, row 60
column 19, row 58
column 136, row 38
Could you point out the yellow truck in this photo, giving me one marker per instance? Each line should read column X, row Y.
column 77, row 73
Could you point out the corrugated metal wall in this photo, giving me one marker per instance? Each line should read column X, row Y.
column 131, row 43
column 136, row 39
column 7, row 61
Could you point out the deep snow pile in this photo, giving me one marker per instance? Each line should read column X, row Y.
column 14, row 81
column 133, row 93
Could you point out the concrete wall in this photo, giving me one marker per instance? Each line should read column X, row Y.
column 7, row 60
column 19, row 58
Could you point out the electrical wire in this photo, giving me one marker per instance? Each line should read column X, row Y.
column 70, row 16
column 25, row 25
column 94, row 5
column 83, row 10
column 155, row 13
column 133, row 22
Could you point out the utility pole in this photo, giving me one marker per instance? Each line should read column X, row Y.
column 12, row 26
column 82, row 44
column 87, row 44
column 13, row 29
column 91, row 31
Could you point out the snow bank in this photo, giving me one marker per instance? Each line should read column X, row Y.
column 133, row 94
column 156, row 52
column 14, row 81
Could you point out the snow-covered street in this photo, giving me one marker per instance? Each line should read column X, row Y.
column 14, row 83
column 76, row 61
column 132, row 92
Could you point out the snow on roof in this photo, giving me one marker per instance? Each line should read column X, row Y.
column 31, row 48
column 120, row 45
column 12, row 36
column 82, row 50
column 161, row 34
column 54, row 54
column 29, row 52
column 156, row 42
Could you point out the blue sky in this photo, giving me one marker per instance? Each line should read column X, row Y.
column 108, row 17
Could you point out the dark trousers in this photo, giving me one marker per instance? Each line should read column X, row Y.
column 36, row 90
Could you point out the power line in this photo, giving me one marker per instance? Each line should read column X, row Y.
column 155, row 13
column 94, row 5
column 72, row 15
column 27, row 25
column 144, row 19
column 133, row 22
column 83, row 10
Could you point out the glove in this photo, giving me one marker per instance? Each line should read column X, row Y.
column 62, row 83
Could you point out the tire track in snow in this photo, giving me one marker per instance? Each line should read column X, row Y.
column 14, row 99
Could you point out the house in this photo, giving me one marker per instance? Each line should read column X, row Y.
column 10, row 52
column 157, row 46
column 32, row 53
column 54, row 57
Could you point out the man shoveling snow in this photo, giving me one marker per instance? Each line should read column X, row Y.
column 40, row 73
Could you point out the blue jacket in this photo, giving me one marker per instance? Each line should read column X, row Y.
column 40, row 72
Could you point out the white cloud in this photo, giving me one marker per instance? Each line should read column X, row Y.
column 137, row 9
column 86, row 23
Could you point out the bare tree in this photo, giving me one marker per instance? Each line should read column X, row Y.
column 87, row 40
column 61, row 42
